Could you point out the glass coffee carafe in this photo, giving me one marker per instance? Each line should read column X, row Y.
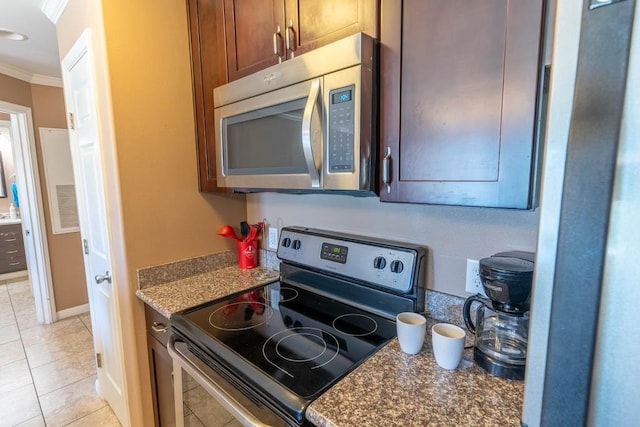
column 502, row 319
column 501, row 338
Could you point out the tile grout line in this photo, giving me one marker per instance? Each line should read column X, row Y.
column 33, row 384
column 85, row 416
column 24, row 350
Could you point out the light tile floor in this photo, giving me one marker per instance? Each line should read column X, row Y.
column 47, row 372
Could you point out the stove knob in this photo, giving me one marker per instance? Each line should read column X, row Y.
column 379, row 263
column 286, row 242
column 397, row 266
column 296, row 244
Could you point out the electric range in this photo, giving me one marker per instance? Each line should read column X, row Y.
column 268, row 352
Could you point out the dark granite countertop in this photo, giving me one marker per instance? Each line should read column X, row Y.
column 396, row 389
column 170, row 288
column 169, row 298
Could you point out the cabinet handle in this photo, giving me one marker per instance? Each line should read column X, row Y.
column 291, row 43
column 277, row 51
column 12, row 252
column 14, row 263
column 386, row 169
column 159, row 328
column 9, row 240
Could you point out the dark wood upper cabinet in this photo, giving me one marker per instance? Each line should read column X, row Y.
column 312, row 23
column 255, row 34
column 209, row 69
column 459, row 84
column 261, row 33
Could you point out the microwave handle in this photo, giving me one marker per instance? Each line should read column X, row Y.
column 306, row 133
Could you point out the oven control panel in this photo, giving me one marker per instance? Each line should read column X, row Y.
column 383, row 263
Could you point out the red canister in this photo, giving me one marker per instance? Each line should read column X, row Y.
column 247, row 254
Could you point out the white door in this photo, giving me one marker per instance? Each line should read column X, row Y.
column 87, row 165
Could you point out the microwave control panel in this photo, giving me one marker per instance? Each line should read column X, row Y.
column 341, row 129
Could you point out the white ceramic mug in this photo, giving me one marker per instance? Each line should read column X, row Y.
column 448, row 344
column 411, row 328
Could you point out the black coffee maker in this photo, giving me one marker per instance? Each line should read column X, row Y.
column 502, row 320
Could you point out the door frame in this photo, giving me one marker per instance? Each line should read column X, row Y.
column 23, row 144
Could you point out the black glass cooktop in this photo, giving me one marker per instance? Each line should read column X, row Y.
column 284, row 334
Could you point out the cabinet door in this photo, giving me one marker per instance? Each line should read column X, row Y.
column 458, row 100
column 254, row 31
column 161, row 367
column 313, row 23
column 209, row 68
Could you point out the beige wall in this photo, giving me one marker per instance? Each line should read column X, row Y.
column 144, row 91
column 47, row 108
column 166, row 218
column 15, row 91
column 65, row 250
column 451, row 233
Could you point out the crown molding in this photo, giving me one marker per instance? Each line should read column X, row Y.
column 53, row 9
column 37, row 79
column 15, row 72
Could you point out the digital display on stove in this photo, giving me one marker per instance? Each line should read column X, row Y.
column 335, row 253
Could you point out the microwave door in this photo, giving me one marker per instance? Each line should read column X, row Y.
column 271, row 141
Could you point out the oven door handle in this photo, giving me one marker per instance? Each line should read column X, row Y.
column 227, row 401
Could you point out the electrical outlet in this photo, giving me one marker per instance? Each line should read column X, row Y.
column 273, row 238
column 473, row 284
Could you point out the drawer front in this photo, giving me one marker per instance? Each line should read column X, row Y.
column 13, row 264
column 11, row 251
column 157, row 324
column 10, row 231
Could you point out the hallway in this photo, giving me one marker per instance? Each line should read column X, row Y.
column 47, row 372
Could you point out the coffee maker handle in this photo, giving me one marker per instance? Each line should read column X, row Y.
column 466, row 311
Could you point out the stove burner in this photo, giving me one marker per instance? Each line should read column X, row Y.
column 355, row 325
column 300, row 345
column 288, row 294
column 298, row 341
column 239, row 316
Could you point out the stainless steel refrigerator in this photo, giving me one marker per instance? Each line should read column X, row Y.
column 583, row 361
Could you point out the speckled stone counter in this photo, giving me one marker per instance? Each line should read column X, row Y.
column 396, row 389
column 174, row 287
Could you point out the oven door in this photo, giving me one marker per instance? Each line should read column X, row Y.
column 201, row 394
column 272, row 141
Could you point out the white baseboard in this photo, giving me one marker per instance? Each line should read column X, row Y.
column 22, row 274
column 73, row 311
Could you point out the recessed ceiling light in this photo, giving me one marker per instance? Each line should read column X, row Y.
column 11, row 35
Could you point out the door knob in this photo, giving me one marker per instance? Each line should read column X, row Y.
column 104, row 278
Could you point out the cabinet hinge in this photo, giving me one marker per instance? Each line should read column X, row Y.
column 85, row 246
column 72, row 125
column 99, row 360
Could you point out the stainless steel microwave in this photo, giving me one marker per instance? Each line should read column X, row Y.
column 307, row 124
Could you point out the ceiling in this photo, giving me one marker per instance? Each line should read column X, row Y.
column 38, row 55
